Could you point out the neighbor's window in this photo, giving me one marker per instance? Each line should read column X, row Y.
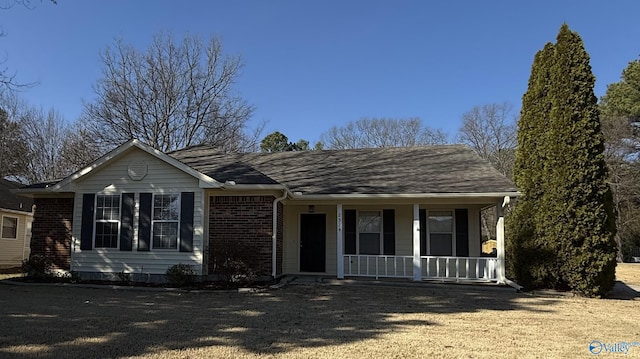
column 441, row 233
column 369, row 232
column 9, row 227
column 166, row 216
column 107, row 221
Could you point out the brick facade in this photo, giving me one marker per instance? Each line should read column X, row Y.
column 247, row 221
column 51, row 230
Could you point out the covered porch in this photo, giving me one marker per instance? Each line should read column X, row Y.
column 419, row 266
column 427, row 240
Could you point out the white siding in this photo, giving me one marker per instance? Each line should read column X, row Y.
column 114, row 179
column 14, row 251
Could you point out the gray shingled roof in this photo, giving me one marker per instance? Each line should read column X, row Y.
column 422, row 169
column 9, row 200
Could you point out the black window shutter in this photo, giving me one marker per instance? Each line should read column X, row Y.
column 86, row 232
column 186, row 221
column 423, row 232
column 144, row 222
column 389, row 228
column 462, row 232
column 350, row 231
column 126, row 221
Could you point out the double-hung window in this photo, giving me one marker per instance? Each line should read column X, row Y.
column 369, row 232
column 9, row 227
column 441, row 233
column 107, row 221
column 165, row 221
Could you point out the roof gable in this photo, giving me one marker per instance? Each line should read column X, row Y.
column 67, row 184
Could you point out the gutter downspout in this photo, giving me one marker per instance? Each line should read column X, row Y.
column 503, row 277
column 274, row 236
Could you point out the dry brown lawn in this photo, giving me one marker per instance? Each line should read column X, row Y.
column 314, row 321
column 628, row 273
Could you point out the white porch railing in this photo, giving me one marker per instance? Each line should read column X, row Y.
column 378, row 266
column 459, row 268
column 433, row 267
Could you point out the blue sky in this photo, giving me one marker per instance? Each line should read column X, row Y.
column 310, row 65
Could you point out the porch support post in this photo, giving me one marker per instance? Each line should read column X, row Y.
column 417, row 262
column 340, row 245
column 500, row 243
column 274, row 235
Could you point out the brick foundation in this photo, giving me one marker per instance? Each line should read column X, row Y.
column 51, row 230
column 246, row 221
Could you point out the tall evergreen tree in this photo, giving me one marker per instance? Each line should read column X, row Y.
column 561, row 169
column 623, row 98
column 529, row 260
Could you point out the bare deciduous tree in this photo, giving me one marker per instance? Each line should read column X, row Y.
column 46, row 132
column 492, row 132
column 171, row 96
column 381, row 132
column 78, row 149
column 621, row 151
column 38, row 143
column 620, row 122
column 13, row 147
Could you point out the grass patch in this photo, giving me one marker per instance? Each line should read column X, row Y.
column 307, row 321
column 629, row 273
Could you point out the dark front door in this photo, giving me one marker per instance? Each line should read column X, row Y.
column 312, row 242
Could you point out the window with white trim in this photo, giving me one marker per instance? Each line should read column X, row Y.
column 9, row 227
column 107, row 226
column 440, row 233
column 370, row 232
column 165, row 221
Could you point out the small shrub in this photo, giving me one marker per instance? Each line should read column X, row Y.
column 180, row 275
column 233, row 263
column 37, row 266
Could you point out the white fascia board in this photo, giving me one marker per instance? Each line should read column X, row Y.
column 248, row 187
column 405, row 195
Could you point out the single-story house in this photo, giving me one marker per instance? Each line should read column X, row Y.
column 409, row 212
column 16, row 217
